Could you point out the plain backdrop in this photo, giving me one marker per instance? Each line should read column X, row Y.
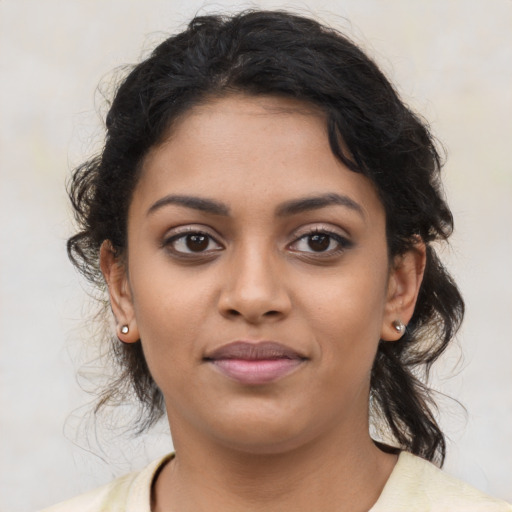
column 451, row 60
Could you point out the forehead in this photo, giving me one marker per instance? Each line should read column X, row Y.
column 243, row 122
column 247, row 148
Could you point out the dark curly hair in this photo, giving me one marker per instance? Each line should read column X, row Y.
column 279, row 53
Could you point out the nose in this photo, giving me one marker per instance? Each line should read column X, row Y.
column 253, row 288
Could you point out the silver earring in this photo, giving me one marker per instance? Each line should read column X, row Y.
column 125, row 329
column 399, row 326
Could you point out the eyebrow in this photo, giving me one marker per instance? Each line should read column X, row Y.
column 316, row 202
column 293, row 207
column 196, row 203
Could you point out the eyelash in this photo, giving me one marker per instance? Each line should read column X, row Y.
column 170, row 243
column 342, row 243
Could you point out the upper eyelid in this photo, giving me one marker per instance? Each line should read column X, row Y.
column 320, row 228
column 185, row 229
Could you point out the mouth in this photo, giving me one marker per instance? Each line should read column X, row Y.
column 255, row 363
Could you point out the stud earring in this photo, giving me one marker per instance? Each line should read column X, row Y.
column 399, row 326
column 125, row 329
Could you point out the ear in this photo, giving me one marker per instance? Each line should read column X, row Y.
column 404, row 284
column 116, row 277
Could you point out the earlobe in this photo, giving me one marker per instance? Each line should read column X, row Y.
column 403, row 287
column 114, row 273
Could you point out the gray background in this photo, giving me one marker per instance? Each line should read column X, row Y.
column 452, row 61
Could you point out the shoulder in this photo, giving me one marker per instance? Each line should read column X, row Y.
column 111, row 497
column 416, row 485
column 131, row 492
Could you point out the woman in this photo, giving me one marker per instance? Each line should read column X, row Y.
column 263, row 214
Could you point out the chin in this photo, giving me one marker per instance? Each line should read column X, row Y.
column 264, row 442
column 264, row 432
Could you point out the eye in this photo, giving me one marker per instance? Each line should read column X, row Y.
column 192, row 242
column 321, row 242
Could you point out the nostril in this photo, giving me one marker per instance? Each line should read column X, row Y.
column 268, row 314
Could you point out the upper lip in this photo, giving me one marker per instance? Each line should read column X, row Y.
column 254, row 351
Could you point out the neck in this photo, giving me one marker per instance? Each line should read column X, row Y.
column 337, row 473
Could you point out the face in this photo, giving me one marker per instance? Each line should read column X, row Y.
column 257, row 276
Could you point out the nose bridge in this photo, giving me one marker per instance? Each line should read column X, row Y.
column 255, row 287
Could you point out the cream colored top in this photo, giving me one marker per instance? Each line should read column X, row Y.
column 414, row 485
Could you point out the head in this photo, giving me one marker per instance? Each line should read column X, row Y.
column 291, row 67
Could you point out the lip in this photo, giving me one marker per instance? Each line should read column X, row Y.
column 254, row 363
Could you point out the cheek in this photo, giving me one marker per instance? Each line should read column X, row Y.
column 171, row 313
column 167, row 298
column 345, row 315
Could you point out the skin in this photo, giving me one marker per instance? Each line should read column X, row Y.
column 300, row 442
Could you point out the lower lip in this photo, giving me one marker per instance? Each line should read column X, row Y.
column 261, row 371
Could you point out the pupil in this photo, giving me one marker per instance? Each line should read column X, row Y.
column 318, row 242
column 197, row 243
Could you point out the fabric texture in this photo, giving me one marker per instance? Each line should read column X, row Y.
column 414, row 485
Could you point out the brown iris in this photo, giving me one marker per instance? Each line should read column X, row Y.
column 319, row 242
column 197, row 242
